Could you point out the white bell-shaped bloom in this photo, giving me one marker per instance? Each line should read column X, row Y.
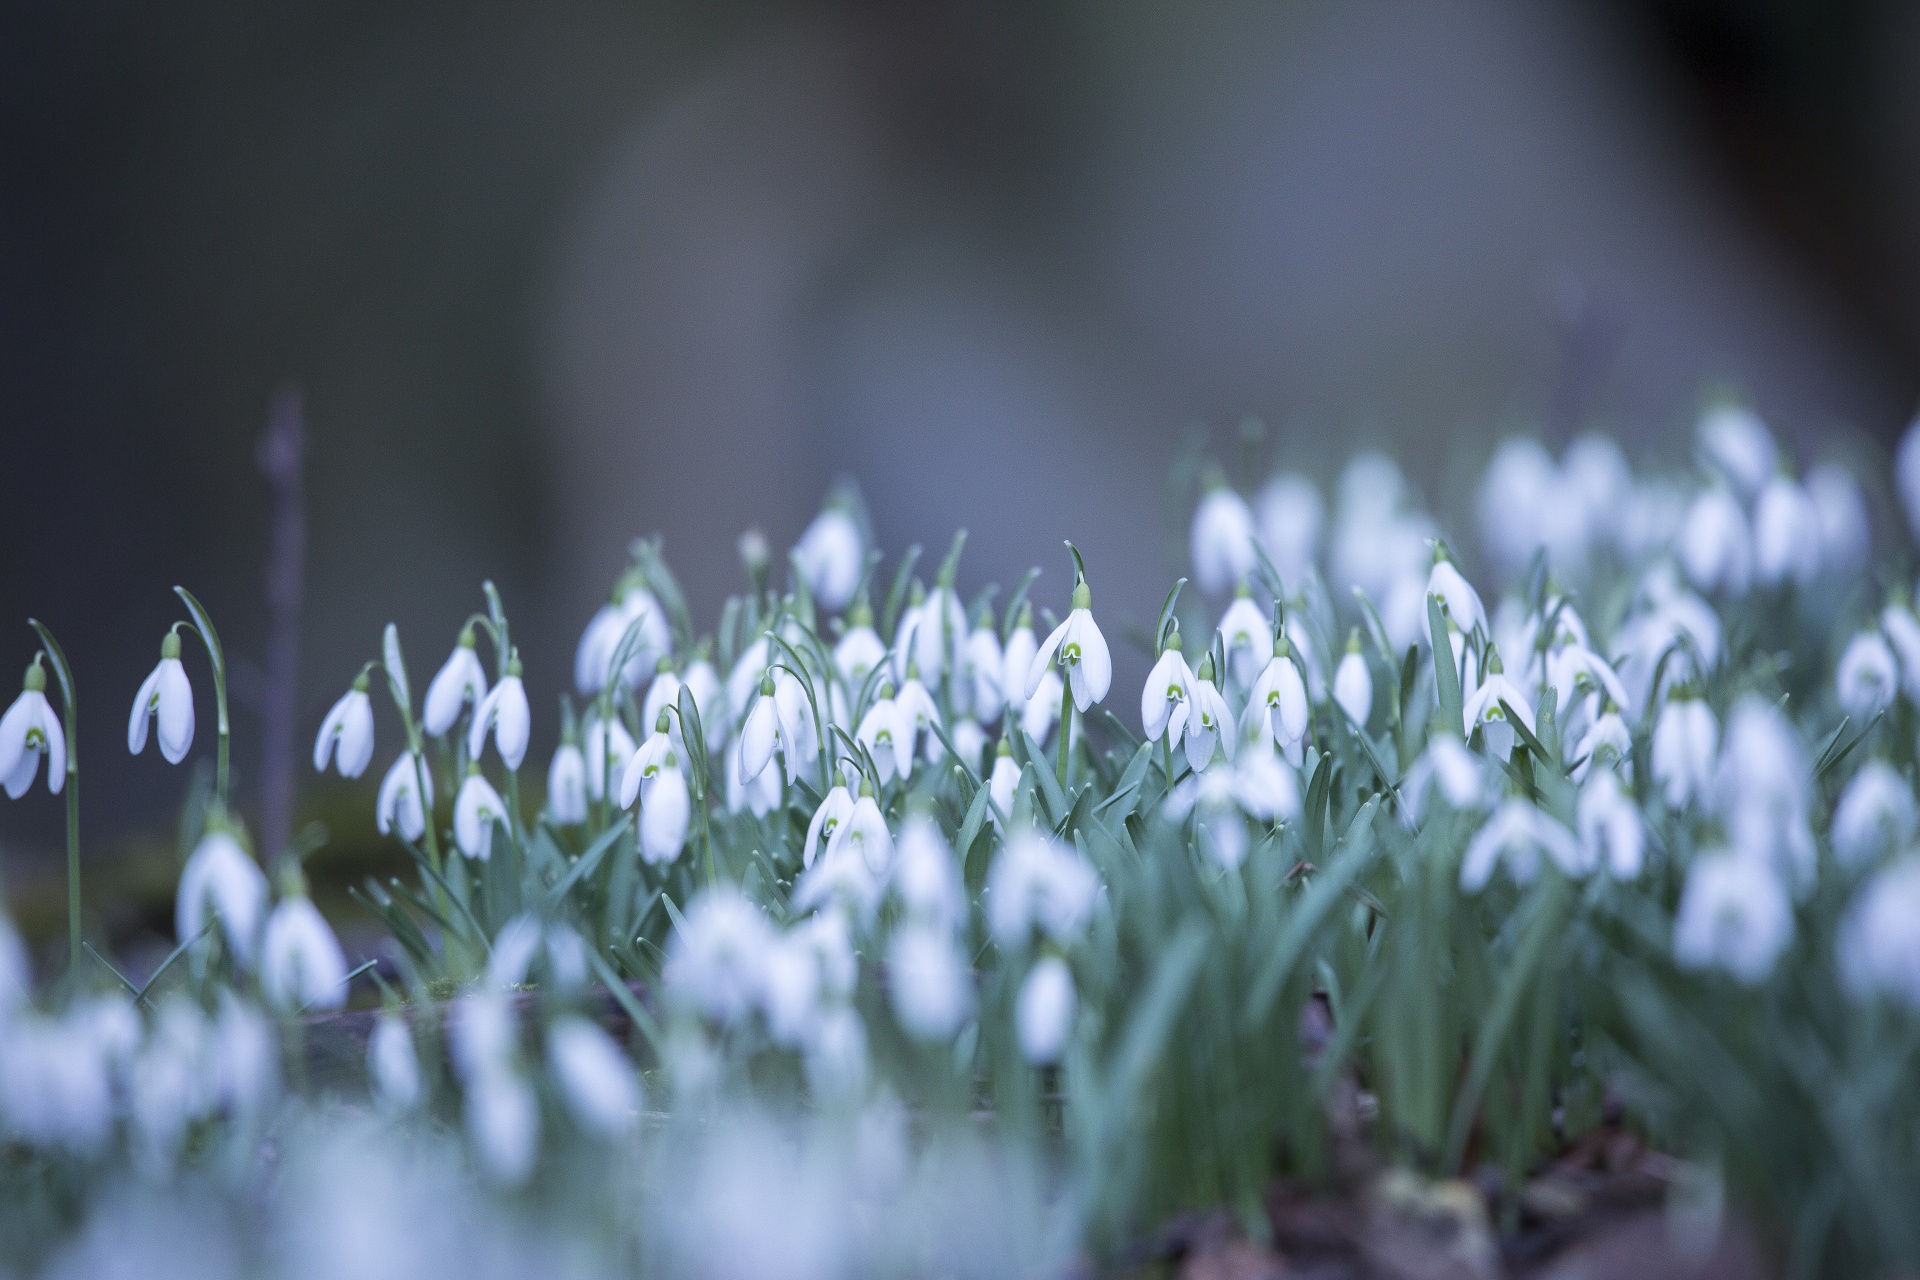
column 1521, row 479
column 665, row 814
column 1267, row 790
column 1209, row 723
column 460, row 681
column 834, row 810
column 860, row 650
column 797, row 728
column 1840, row 514
column 1044, row 1011
column 505, row 713
column 1290, row 514
column 982, row 668
column 743, row 682
column 916, row 709
column 926, row 876
column 220, row 876
column 1403, row 612
column 1016, row 660
column 503, row 1125
column 1716, row 546
column 928, row 982
column 1037, row 882
column 1611, row 832
column 1578, row 674
column 1762, row 789
column 1517, row 834
column 1003, row 782
column 29, row 730
column 790, row 994
column 970, row 740
column 1685, row 740
column 1257, row 786
column 886, row 731
column 606, row 747
column 1735, row 442
column 1353, row 684
column 840, row 881
column 1606, row 744
column 1080, row 649
column 301, row 965
column 1902, row 631
column 716, row 959
column 1488, row 706
column 1786, row 535
column 1222, row 540
column 1167, row 698
column 166, row 698
column 1037, row 718
column 1906, row 475
column 393, row 1065
column 1446, row 764
column 600, row 642
column 703, row 682
column 349, row 728
column 1675, row 620
column 663, row 693
column 831, row 556
column 1246, row 637
column 400, row 793
column 246, row 1059
column 1734, row 915
column 865, row 831
column 567, row 786
column 593, row 1077
column 1279, row 696
column 1598, row 478
column 645, row 765
column 761, row 795
column 1457, row 596
column 1875, row 815
column 930, row 635
column 475, row 811
column 1868, row 676
column 1878, row 951
column 760, row 734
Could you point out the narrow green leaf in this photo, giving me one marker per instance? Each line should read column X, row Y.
column 1446, row 677
column 586, row 862
column 1322, row 892
column 897, row 593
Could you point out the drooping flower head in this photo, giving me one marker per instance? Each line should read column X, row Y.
column 166, row 699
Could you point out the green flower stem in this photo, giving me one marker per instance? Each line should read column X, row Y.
column 1066, row 726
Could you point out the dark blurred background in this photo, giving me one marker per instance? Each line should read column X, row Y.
column 552, row 275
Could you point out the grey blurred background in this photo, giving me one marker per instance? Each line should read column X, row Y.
column 554, row 275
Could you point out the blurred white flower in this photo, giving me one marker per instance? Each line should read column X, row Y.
column 170, row 1085
column 928, row 983
column 1081, row 649
column 1353, row 684
column 567, row 785
column 1607, row 745
column 1290, row 515
column 475, row 811
column 1598, row 478
column 1222, row 540
column 29, row 730
column 982, row 667
column 1447, row 764
column 666, row 811
column 348, row 726
column 1786, row 535
column 301, row 966
column 926, row 875
column 1715, row 546
column 1681, row 753
column 1517, row 834
column 1257, row 785
column 606, row 747
column 865, row 832
column 1672, row 619
column 1520, row 481
column 593, row 1077
column 1735, row 442
column 1037, row 882
column 917, row 712
column 166, row 698
column 1733, row 915
column 460, row 680
column 393, row 1064
column 503, row 1124
column 1374, row 543
column 1902, row 631
column 761, row 795
column 1044, row 1012
column 716, row 959
column 1004, row 781
column 399, row 801
column 56, row 1090
column 1016, row 660
column 831, row 556
column 1876, row 814
column 969, row 739
column 600, row 643
column 840, row 879
column 219, row 875
column 1457, row 596
column 860, row 650
column 1762, row 789
column 245, row 1059
column 1878, row 949
column 836, row 1054
column 1246, row 637
column 1868, row 677
column 1611, row 832
column 1840, row 514
column 1906, row 475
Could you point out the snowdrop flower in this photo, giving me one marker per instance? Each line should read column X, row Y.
column 1037, row 882
column 1521, row 478
column 1840, row 515
column 1279, row 698
column 1457, row 597
column 29, row 730
column 460, row 680
column 663, row 693
column 1673, row 617
column 600, row 642
column 1906, row 475
column 1245, row 636
column 1004, row 781
column 1375, row 544
column 1605, row 744
column 1447, row 764
column 836, row 1054
column 982, row 668
column 502, row 1111
column 1597, row 474
column 969, row 739
column 666, row 811
column 860, row 649
column 169, row 1085
column 1583, row 680
column 1517, row 834
column 928, row 982
column 831, row 555
column 400, row 792
column 865, row 832
column 1081, row 649
column 886, row 731
column 1016, row 659
column 761, row 795
column 1735, row 441
column 932, row 633
column 1488, row 708
column 475, row 811
column 1716, row 548
column 1043, row 708
column 55, row 1089
column 166, row 698
column 759, row 734
column 595, row 1079
column 348, row 726
column 1902, row 631
column 1867, row 677
column 1353, row 683
column 1734, row 916
column 717, row 957
column 1685, row 738
column 703, row 682
column 1786, row 535
column 1876, row 813
column 605, row 748
column 1044, row 1012
column 1611, row 833
column 1290, row 515
column 1209, row 722
column 1167, row 698
column 646, row 763
column 795, row 723
column 914, row 706
column 1258, row 785
column 1222, row 540
column 841, row 880
column 220, row 875
column 567, row 786
column 246, row 1058
column 300, row 962
column 393, row 1065
column 926, row 876
column 743, row 682
column 827, row 820
column 1762, row 788
column 1879, row 944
